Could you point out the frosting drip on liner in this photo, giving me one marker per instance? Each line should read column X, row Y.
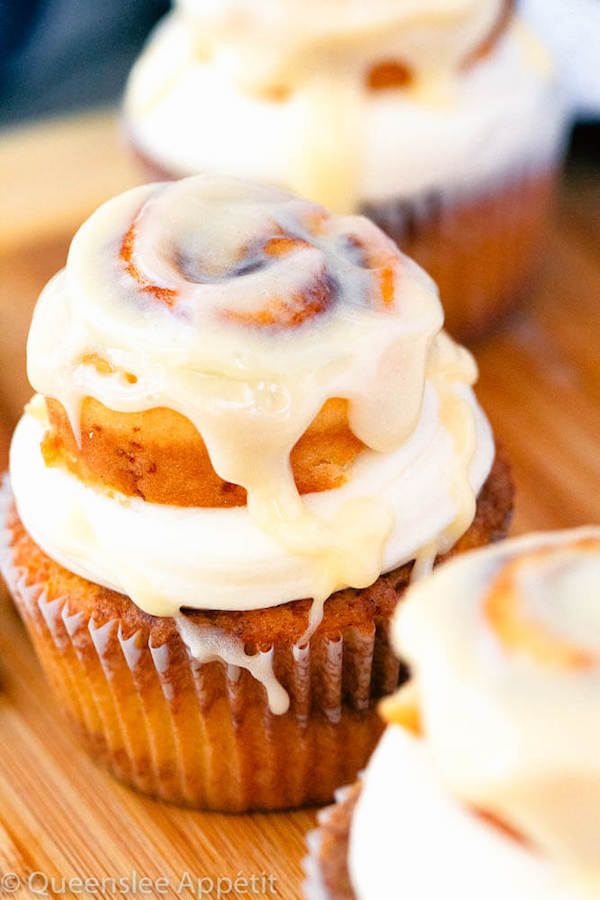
column 247, row 325
column 210, row 644
column 508, row 682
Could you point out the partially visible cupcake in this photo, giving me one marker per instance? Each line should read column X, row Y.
column 440, row 120
column 487, row 781
column 246, row 414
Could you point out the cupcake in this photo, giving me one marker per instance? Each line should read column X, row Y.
column 486, row 782
column 440, row 120
column 248, row 428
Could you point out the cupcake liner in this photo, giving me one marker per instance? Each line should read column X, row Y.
column 313, row 886
column 202, row 734
column 315, row 882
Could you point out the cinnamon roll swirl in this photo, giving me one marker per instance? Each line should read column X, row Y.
column 528, row 656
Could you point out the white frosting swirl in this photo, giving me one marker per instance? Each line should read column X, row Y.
column 410, row 837
column 220, row 558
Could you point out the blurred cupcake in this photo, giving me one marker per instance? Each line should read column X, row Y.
column 438, row 119
column 487, row 781
column 244, row 402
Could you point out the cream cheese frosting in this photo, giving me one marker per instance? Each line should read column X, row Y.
column 330, row 137
column 411, row 838
column 504, row 647
column 221, row 558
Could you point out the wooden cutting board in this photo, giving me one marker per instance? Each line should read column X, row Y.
column 540, row 383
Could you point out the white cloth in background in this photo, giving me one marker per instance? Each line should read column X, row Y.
column 572, row 30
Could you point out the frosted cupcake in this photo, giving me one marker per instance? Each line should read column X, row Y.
column 487, row 782
column 248, row 428
column 439, row 119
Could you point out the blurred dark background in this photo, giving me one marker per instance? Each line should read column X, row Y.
column 62, row 55
column 66, row 55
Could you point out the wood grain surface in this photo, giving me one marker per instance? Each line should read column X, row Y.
column 540, row 383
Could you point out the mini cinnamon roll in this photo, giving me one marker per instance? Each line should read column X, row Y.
column 492, row 749
column 249, row 433
column 430, row 117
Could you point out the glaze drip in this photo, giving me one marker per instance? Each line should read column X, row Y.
column 208, row 644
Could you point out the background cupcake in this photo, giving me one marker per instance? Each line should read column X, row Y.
column 212, row 454
column 440, row 120
column 487, row 781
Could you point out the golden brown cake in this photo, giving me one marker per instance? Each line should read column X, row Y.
column 486, row 781
column 249, row 430
column 439, row 119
